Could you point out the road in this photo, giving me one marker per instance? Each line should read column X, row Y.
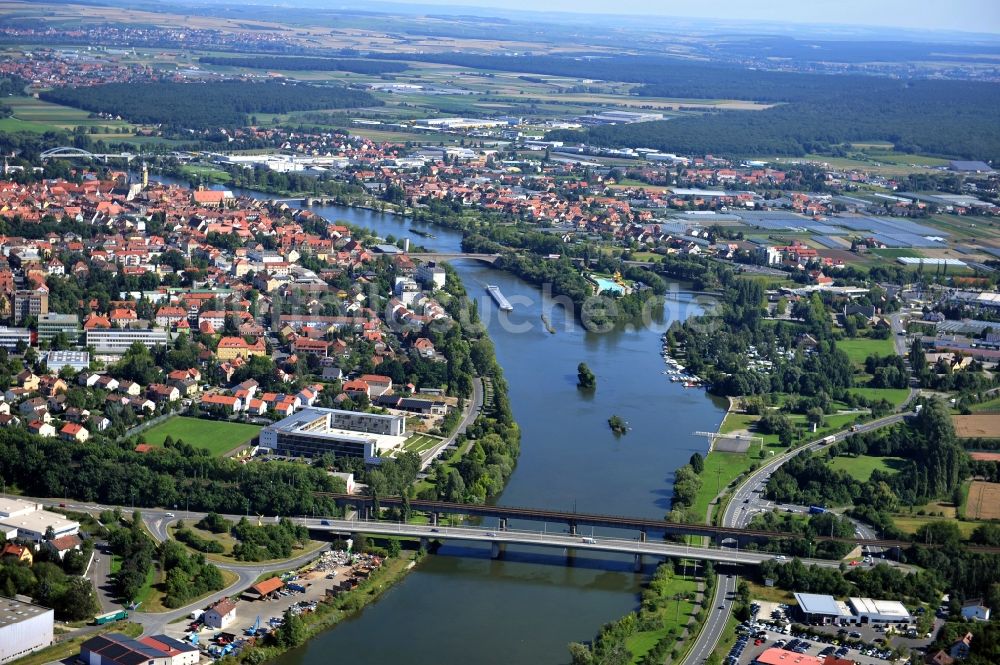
column 745, row 501
column 472, row 410
column 158, row 521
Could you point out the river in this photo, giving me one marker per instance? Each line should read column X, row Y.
column 458, row 605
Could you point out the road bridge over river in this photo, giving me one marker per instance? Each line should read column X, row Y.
column 451, row 256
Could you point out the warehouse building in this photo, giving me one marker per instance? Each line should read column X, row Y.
column 869, row 610
column 118, row 649
column 314, row 431
column 24, row 628
column 823, row 609
column 31, row 521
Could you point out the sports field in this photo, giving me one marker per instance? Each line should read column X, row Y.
column 217, row 437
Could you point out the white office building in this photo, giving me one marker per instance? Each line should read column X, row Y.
column 314, row 431
column 24, row 628
column 117, row 341
column 75, row 360
column 9, row 337
column 431, row 275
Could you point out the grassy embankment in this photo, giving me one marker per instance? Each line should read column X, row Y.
column 675, row 607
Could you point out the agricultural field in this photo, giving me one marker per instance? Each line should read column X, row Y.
column 861, row 467
column 984, row 501
column 31, row 114
column 217, row 437
column 982, row 426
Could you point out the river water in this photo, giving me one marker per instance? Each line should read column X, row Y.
column 459, row 606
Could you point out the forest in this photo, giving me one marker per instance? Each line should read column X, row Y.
column 671, row 77
column 205, row 105
column 918, row 118
column 295, row 63
column 813, row 112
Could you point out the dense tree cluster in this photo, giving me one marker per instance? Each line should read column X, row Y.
column 114, row 474
column 205, row 105
column 52, row 583
column 524, row 251
column 300, row 63
column 935, row 465
column 268, row 541
column 496, row 438
column 881, row 581
column 133, row 546
column 187, row 576
column 985, row 648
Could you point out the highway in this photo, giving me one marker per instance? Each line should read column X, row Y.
column 746, row 500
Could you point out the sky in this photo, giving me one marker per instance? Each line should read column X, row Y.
column 982, row 16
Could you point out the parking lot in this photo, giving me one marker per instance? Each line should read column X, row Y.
column 857, row 643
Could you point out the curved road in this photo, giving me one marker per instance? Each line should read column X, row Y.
column 738, row 514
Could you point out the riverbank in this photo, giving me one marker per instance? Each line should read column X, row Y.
column 332, row 611
column 569, row 460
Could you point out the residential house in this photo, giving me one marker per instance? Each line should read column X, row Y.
column 378, row 384
column 960, row 649
column 224, row 403
column 19, row 553
column 74, row 432
column 159, row 393
column 43, row 429
column 63, row 544
column 974, row 610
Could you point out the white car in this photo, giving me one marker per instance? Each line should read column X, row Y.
column 170, row 515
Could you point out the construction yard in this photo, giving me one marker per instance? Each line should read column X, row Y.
column 331, row 573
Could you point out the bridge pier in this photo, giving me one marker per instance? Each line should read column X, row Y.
column 503, row 523
column 572, row 528
column 496, row 550
column 642, row 536
column 424, row 543
column 637, row 564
